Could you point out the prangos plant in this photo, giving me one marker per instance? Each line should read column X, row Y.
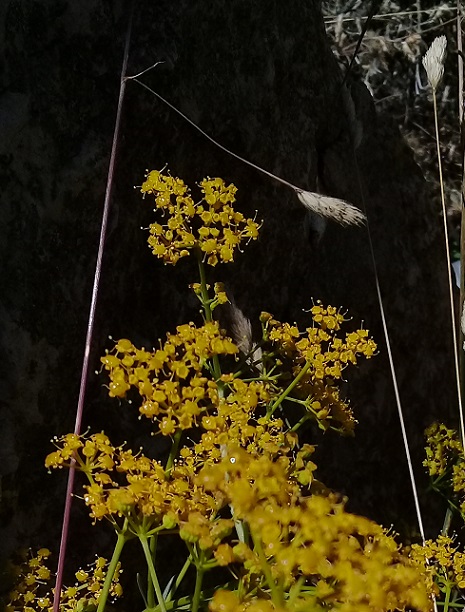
column 238, row 486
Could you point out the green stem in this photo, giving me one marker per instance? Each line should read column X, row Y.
column 276, row 594
column 185, row 602
column 180, row 578
column 206, row 305
column 173, row 451
column 447, row 522
column 205, row 298
column 295, row 590
column 150, row 589
column 300, row 422
column 120, row 542
column 198, row 584
column 152, row 572
column 286, row 391
column 447, row 597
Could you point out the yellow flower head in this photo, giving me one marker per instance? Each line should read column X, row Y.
column 172, row 381
column 211, row 226
column 324, row 353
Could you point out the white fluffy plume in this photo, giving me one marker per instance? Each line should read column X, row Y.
column 433, row 61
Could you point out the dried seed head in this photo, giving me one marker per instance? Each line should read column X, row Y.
column 241, row 329
column 331, row 208
column 433, row 61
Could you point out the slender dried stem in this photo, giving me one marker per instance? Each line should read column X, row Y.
column 91, row 322
column 449, row 270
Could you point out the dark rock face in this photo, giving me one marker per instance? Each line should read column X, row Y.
column 260, row 78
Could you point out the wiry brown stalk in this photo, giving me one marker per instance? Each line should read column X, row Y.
column 462, row 219
column 328, row 207
column 433, row 63
column 90, row 324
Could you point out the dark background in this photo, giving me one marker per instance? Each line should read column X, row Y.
column 260, row 78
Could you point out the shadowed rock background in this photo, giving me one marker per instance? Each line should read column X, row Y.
column 260, row 78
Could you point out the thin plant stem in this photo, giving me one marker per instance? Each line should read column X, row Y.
column 150, row 588
column 300, row 422
column 276, row 594
column 288, row 389
column 460, row 61
column 152, row 572
column 180, row 578
column 295, row 590
column 205, row 299
column 91, row 318
column 462, row 220
column 392, row 368
column 449, row 271
column 198, row 585
column 215, row 142
column 120, row 542
column 462, row 284
column 447, row 597
column 447, row 522
column 204, row 289
column 332, row 20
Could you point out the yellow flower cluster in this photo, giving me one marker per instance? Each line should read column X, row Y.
column 442, row 562
column 239, row 489
column 328, row 354
column 96, row 453
column 148, row 490
column 170, row 380
column 310, row 546
column 236, row 420
column 32, row 592
column 212, row 225
column 203, row 530
column 325, row 356
column 443, row 449
column 219, row 297
column 445, row 462
column 27, row 593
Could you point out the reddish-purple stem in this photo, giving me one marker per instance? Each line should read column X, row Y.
column 91, row 321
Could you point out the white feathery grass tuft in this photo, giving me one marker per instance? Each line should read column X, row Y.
column 433, row 61
column 331, row 208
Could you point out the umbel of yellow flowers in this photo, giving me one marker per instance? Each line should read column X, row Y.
column 238, row 488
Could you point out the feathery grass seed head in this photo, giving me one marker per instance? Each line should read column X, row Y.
column 331, row 208
column 433, row 61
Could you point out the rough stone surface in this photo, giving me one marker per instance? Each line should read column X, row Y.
column 260, row 78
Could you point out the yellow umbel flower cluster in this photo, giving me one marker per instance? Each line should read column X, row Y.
column 33, row 592
column 329, row 354
column 445, row 462
column 212, row 225
column 31, row 575
column 238, row 487
column 322, row 556
column 442, row 562
column 150, row 491
column 318, row 359
column 443, row 449
column 170, row 380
